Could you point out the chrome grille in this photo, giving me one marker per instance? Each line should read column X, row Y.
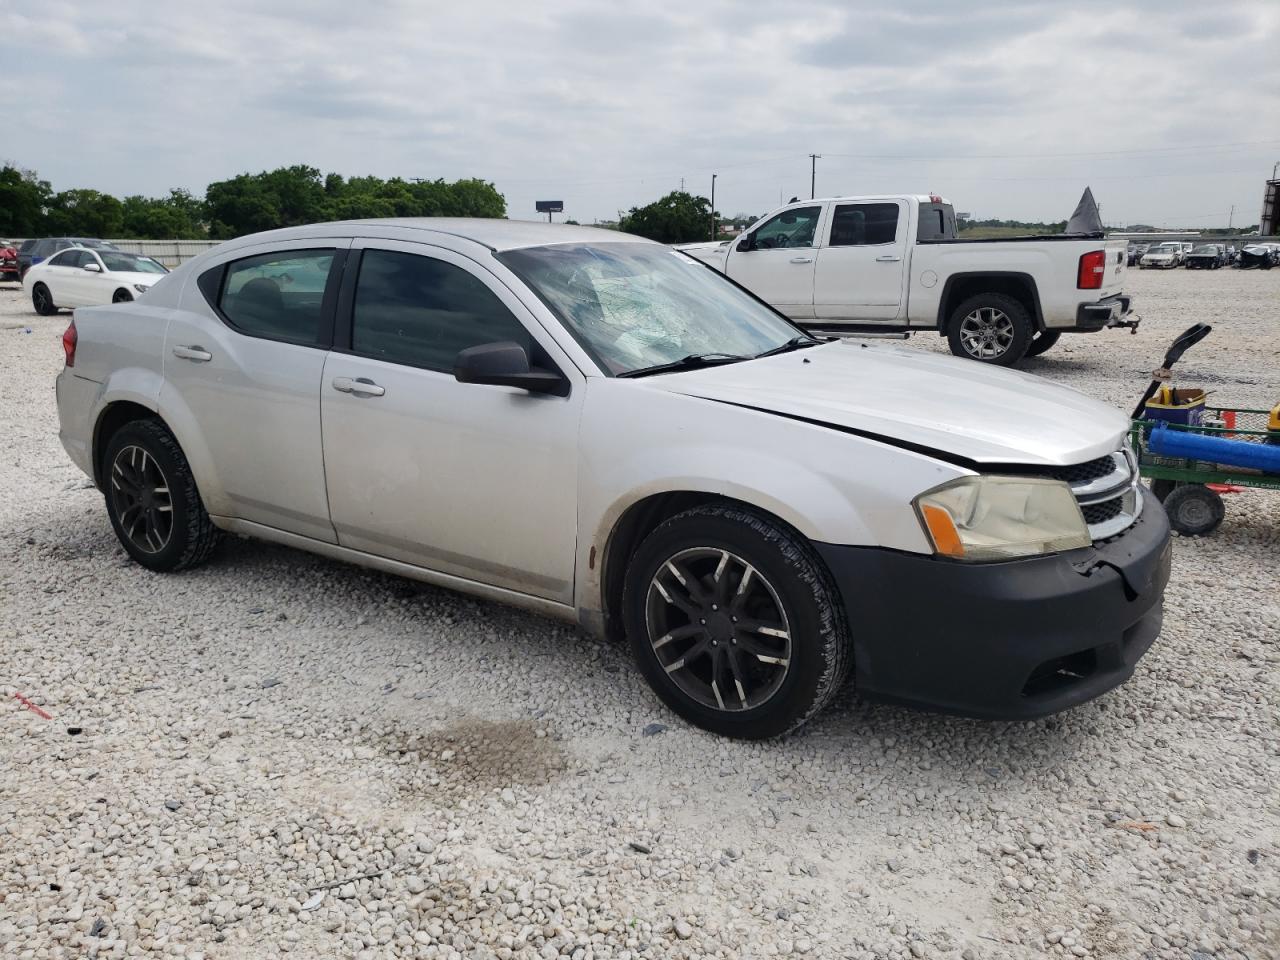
column 1084, row 472
column 1107, row 490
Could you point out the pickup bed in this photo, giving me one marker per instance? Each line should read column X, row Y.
column 853, row 264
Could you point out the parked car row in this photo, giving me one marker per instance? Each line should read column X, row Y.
column 1202, row 256
column 38, row 250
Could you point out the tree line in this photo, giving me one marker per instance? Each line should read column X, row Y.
column 248, row 203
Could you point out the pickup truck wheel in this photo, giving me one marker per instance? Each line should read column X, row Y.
column 42, row 300
column 735, row 623
column 152, row 500
column 1043, row 341
column 990, row 328
column 1194, row 510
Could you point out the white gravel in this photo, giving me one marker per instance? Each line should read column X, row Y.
column 278, row 754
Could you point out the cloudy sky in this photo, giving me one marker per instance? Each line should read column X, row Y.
column 1170, row 110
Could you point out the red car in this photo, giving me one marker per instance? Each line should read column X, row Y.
column 9, row 261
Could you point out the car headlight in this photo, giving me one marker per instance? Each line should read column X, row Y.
column 141, row 287
column 998, row 518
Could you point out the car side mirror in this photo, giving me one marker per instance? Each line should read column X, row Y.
column 93, row 268
column 747, row 243
column 506, row 364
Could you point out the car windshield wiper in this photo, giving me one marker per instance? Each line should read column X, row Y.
column 795, row 343
column 693, row 361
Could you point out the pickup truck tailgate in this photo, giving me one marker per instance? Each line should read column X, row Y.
column 1117, row 267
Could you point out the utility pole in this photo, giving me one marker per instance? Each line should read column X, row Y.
column 713, row 205
column 1231, row 217
column 813, row 174
column 682, row 184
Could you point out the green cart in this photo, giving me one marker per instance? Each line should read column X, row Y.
column 1191, row 490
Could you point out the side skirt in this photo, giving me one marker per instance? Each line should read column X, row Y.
column 539, row 605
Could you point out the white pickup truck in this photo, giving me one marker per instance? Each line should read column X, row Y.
column 850, row 264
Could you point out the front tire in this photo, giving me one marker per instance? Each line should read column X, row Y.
column 735, row 623
column 42, row 300
column 152, row 500
column 1043, row 342
column 1194, row 510
column 122, row 296
column 990, row 328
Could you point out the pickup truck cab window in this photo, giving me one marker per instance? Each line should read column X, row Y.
column 423, row 312
column 864, row 224
column 791, row 228
column 279, row 296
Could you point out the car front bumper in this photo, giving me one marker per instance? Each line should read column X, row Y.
column 1006, row 641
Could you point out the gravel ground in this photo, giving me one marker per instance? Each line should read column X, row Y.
column 280, row 754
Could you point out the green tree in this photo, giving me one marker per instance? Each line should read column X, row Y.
column 23, row 199
column 85, row 213
column 678, row 217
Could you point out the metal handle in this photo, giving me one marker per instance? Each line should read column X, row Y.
column 194, row 352
column 361, row 386
column 887, row 259
column 802, row 259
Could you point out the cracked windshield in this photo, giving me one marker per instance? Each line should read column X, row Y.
column 633, row 306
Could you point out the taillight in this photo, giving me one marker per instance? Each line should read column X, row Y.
column 1093, row 265
column 69, row 344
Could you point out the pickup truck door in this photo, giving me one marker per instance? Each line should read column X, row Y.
column 778, row 262
column 862, row 263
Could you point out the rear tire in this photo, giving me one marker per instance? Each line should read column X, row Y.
column 746, row 603
column 1194, row 510
column 990, row 328
column 42, row 300
column 152, row 500
column 1043, row 342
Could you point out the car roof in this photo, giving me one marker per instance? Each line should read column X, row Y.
column 497, row 235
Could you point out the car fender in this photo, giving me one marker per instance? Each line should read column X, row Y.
column 832, row 487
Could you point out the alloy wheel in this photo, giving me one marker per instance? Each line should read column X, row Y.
column 141, row 498
column 718, row 629
column 41, row 299
column 986, row 333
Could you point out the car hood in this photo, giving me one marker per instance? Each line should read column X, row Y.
column 129, row 276
column 960, row 409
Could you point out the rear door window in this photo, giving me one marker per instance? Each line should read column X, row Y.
column 278, row 295
column 421, row 311
column 864, row 224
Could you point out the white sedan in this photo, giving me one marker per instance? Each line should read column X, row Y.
column 80, row 277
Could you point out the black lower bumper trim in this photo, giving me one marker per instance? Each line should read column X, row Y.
column 1014, row 640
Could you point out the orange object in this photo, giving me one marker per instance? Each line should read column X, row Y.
column 943, row 530
column 1229, row 419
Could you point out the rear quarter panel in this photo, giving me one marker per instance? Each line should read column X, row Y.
column 118, row 358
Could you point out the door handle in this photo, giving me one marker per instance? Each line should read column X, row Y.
column 194, row 352
column 887, row 259
column 361, row 386
column 802, row 259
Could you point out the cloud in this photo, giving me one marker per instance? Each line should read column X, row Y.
column 611, row 106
